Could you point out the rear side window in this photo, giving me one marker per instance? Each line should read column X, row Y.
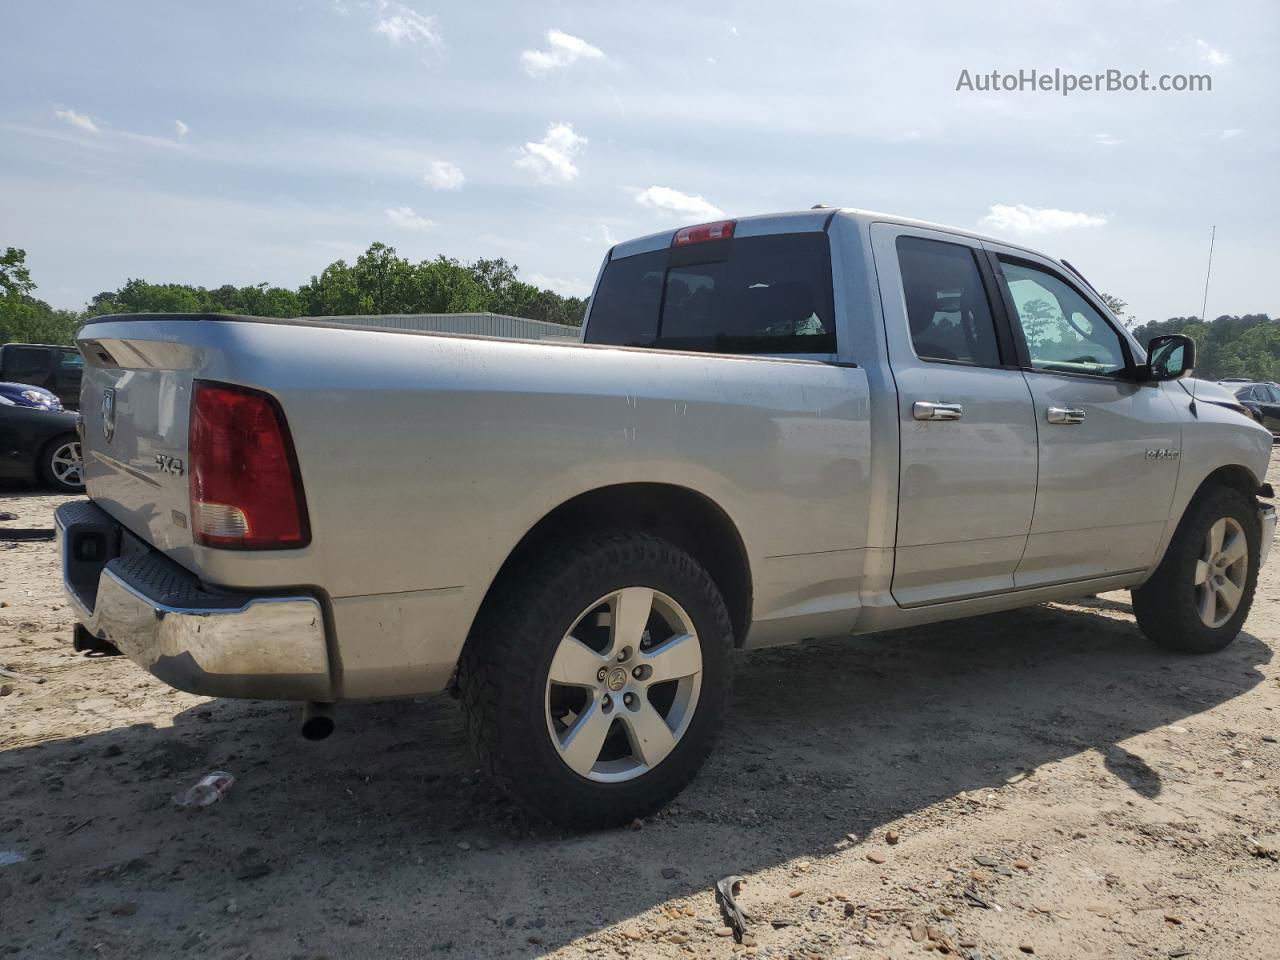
column 760, row 295
column 25, row 361
column 947, row 306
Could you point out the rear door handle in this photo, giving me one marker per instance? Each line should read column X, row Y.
column 931, row 410
column 1065, row 415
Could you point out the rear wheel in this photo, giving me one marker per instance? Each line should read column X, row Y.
column 61, row 465
column 594, row 686
column 1199, row 596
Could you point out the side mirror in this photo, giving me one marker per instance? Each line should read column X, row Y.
column 1169, row 357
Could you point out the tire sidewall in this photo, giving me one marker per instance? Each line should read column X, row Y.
column 1224, row 503
column 574, row 593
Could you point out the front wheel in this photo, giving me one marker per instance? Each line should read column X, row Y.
column 595, row 683
column 62, row 466
column 1199, row 596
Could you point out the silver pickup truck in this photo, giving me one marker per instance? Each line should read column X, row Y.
column 806, row 425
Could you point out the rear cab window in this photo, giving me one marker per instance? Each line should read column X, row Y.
column 746, row 295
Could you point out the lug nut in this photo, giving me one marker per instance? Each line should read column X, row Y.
column 638, row 673
column 629, row 699
column 607, row 702
column 601, row 674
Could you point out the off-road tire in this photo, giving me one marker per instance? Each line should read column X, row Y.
column 504, row 667
column 1166, row 606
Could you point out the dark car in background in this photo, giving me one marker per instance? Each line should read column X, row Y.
column 57, row 369
column 39, row 442
column 1261, row 398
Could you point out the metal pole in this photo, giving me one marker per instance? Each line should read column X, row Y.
column 1205, row 305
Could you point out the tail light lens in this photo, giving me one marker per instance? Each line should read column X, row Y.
column 246, row 491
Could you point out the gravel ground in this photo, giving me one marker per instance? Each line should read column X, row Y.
column 1042, row 782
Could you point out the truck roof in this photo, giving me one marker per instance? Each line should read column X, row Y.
column 803, row 221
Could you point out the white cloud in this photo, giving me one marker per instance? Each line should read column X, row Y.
column 1022, row 219
column 406, row 219
column 443, row 175
column 602, row 235
column 182, row 128
column 1106, row 139
column 551, row 158
column 402, row 24
column 566, row 288
column 692, row 206
column 151, row 140
column 1211, row 55
column 76, row 120
column 563, row 50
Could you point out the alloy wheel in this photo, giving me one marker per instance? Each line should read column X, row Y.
column 66, row 465
column 1221, row 572
column 623, row 685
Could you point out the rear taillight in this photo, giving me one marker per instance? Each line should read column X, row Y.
column 703, row 233
column 246, row 491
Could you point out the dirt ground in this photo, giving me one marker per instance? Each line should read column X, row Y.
column 1055, row 786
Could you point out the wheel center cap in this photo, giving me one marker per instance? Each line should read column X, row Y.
column 617, row 679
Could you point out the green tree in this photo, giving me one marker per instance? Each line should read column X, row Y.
column 1118, row 307
column 15, row 277
column 1037, row 320
column 1246, row 345
column 23, row 318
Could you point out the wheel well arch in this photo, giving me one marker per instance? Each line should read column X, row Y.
column 1231, row 475
column 690, row 520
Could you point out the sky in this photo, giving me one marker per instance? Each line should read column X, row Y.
column 242, row 142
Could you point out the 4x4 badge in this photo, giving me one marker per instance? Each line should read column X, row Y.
column 109, row 413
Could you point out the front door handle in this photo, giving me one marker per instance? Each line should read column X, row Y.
column 930, row 410
column 1065, row 415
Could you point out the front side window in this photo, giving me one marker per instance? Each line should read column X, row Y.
column 947, row 307
column 750, row 295
column 1063, row 332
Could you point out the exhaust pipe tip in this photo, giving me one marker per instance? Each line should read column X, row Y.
column 317, row 721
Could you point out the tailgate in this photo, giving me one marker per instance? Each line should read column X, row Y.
column 135, row 401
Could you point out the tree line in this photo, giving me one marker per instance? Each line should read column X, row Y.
column 378, row 282
column 1230, row 346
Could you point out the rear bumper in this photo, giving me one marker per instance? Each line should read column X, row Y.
column 205, row 641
